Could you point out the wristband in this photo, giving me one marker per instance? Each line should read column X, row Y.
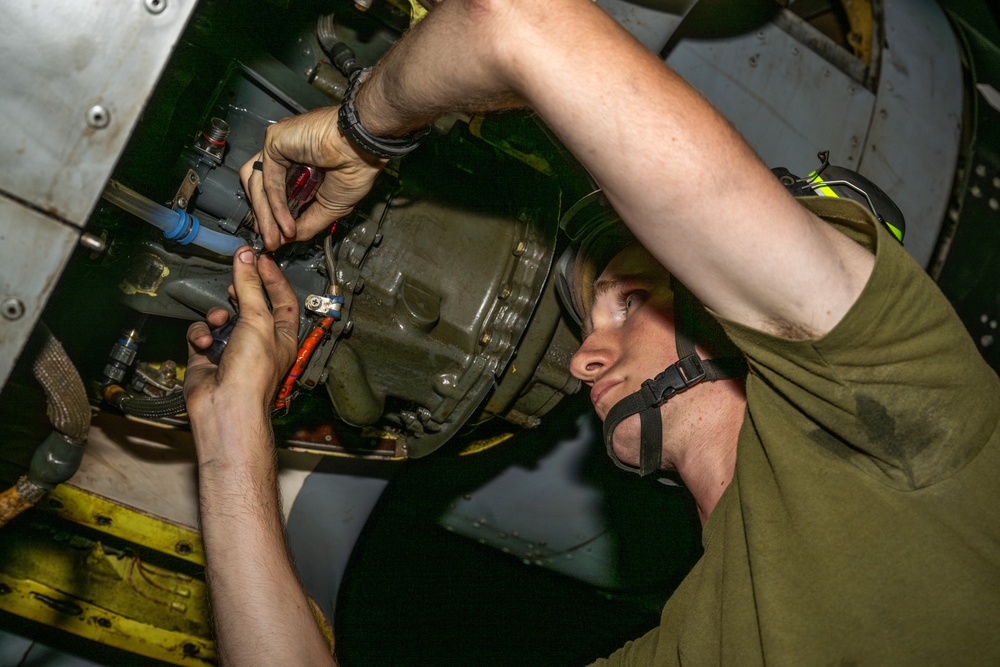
column 385, row 148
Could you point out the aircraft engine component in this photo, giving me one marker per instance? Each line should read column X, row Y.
column 440, row 271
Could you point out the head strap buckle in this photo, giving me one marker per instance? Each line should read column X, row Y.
column 683, row 374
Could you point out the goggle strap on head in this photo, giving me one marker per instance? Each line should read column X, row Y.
column 646, row 402
column 685, row 309
column 687, row 371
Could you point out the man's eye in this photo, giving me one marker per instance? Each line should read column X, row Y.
column 631, row 300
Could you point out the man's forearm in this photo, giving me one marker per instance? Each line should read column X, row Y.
column 449, row 62
column 261, row 613
column 685, row 182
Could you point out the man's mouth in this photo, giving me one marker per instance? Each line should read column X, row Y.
column 598, row 391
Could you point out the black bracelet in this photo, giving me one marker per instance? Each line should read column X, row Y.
column 386, row 148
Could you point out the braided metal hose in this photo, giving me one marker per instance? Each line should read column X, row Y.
column 59, row 455
column 68, row 407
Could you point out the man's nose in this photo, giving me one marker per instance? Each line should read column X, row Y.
column 594, row 355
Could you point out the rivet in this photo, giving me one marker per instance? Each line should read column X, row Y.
column 12, row 308
column 994, row 204
column 486, row 338
column 975, row 191
column 98, row 117
column 980, row 170
column 986, row 340
column 155, row 6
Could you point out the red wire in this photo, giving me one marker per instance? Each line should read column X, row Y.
column 309, row 345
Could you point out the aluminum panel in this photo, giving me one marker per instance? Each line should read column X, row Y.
column 787, row 101
column 651, row 26
column 913, row 143
column 74, row 79
column 35, row 249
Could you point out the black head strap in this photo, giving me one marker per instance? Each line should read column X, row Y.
column 687, row 371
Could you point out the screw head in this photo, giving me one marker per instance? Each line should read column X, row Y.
column 98, row 117
column 155, row 6
column 12, row 309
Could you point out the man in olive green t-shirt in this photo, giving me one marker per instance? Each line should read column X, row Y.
column 848, row 490
column 861, row 522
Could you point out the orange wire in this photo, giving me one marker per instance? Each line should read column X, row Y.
column 309, row 345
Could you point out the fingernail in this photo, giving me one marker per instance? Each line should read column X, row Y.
column 246, row 256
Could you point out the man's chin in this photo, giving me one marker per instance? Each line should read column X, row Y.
column 625, row 441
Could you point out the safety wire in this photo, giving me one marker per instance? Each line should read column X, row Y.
column 316, row 336
column 144, row 573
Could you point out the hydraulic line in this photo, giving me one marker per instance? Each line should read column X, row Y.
column 58, row 457
column 147, row 407
column 309, row 345
column 315, row 336
column 175, row 224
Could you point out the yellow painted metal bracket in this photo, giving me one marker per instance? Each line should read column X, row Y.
column 101, row 514
column 412, row 7
column 861, row 17
column 54, row 608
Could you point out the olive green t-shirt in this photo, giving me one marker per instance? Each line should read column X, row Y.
column 862, row 526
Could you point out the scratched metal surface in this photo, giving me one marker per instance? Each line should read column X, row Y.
column 60, row 61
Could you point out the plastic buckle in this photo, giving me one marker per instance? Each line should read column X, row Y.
column 691, row 369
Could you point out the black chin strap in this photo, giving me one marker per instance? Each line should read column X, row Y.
column 687, row 371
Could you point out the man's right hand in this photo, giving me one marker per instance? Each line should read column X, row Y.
column 312, row 139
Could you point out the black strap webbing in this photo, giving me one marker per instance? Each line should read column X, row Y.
column 686, row 372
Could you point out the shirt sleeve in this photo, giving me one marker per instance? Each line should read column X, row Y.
column 639, row 652
column 897, row 387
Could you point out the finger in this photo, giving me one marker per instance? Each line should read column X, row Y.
column 318, row 217
column 199, row 338
column 217, row 316
column 247, row 286
column 275, row 171
column 284, row 304
column 253, row 184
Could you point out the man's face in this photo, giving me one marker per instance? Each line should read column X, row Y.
column 628, row 338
